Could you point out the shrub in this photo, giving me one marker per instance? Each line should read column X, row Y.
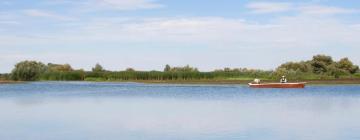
column 28, row 71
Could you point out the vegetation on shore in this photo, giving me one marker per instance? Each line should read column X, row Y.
column 320, row 67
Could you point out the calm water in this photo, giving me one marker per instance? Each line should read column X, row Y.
column 118, row 111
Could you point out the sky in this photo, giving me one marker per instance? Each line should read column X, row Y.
column 147, row 34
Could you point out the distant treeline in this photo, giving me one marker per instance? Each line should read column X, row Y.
column 319, row 67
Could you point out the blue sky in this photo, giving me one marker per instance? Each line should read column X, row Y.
column 147, row 34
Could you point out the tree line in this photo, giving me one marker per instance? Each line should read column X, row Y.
column 319, row 67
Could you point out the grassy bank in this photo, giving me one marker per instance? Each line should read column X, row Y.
column 9, row 82
column 243, row 82
column 321, row 69
column 218, row 81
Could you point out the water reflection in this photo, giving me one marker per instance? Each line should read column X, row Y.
column 136, row 111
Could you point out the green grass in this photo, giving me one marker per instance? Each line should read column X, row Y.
column 95, row 79
column 243, row 78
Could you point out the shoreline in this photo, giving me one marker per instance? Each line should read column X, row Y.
column 219, row 82
column 245, row 82
column 9, row 82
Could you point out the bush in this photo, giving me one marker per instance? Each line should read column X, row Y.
column 28, row 71
column 357, row 75
column 5, row 77
column 95, row 79
column 297, row 66
column 63, row 76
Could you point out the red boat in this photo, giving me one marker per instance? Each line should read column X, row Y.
column 278, row 85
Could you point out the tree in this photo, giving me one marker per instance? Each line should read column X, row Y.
column 347, row 65
column 333, row 70
column 167, row 68
column 319, row 67
column 28, row 70
column 186, row 68
column 320, row 63
column 280, row 72
column 130, row 69
column 355, row 69
column 59, row 67
column 98, row 68
column 327, row 60
column 296, row 66
column 227, row 69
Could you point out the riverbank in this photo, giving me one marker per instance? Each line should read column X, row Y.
column 243, row 82
column 310, row 82
column 9, row 82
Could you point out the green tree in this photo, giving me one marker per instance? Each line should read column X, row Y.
column 333, row 70
column 28, row 70
column 227, row 69
column 320, row 63
column 296, row 66
column 167, row 68
column 130, row 70
column 186, row 68
column 59, row 67
column 280, row 72
column 327, row 60
column 347, row 65
column 98, row 68
column 319, row 67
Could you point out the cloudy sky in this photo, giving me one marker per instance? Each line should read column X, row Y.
column 147, row 34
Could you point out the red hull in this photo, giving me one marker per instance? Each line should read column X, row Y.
column 277, row 85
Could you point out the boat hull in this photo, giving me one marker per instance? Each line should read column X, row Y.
column 277, row 85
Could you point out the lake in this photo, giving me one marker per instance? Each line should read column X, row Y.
column 120, row 111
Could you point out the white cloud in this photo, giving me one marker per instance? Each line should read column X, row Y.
column 45, row 14
column 62, row 2
column 197, row 40
column 96, row 5
column 274, row 7
column 322, row 10
column 282, row 32
column 356, row 26
column 299, row 31
column 268, row 7
column 129, row 4
column 228, row 40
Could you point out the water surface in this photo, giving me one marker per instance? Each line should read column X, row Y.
column 113, row 111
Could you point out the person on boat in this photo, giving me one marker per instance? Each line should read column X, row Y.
column 283, row 79
column 257, row 81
